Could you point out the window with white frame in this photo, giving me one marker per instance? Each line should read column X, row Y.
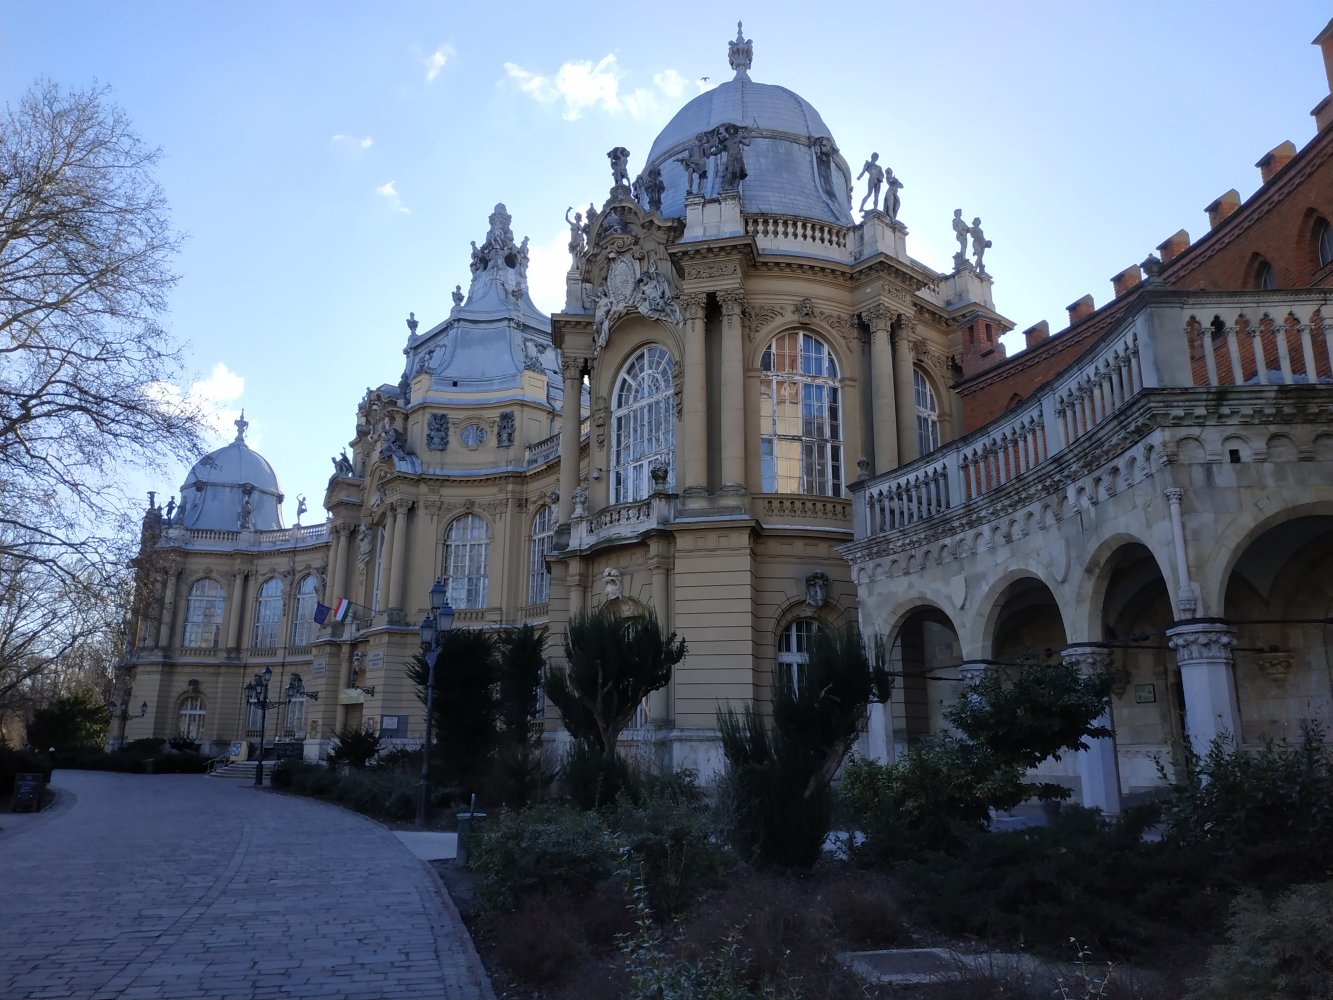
column 801, row 417
column 204, row 608
column 191, row 718
column 303, row 621
column 643, row 425
column 543, row 537
column 268, row 614
column 927, row 413
column 294, row 716
column 254, row 716
column 794, row 649
column 467, row 543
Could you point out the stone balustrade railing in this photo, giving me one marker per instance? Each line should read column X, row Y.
column 626, row 520
column 786, row 234
column 276, row 538
column 1174, row 339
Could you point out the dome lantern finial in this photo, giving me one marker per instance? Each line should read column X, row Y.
column 241, row 424
column 740, row 54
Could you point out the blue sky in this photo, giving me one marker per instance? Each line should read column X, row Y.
column 330, row 162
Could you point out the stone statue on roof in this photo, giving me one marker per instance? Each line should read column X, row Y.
column 576, row 233
column 960, row 232
column 875, row 179
column 619, row 157
column 695, row 162
column 979, row 244
column 891, row 200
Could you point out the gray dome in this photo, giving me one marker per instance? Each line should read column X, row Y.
column 231, row 489
column 792, row 162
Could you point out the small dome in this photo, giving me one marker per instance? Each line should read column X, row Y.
column 792, row 163
column 231, row 489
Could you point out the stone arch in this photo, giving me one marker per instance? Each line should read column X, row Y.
column 1213, row 571
column 1240, row 444
column 924, row 654
column 1023, row 620
column 1190, row 450
column 1094, row 578
column 1281, row 448
column 989, row 608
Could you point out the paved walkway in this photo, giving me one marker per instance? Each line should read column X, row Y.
column 182, row 887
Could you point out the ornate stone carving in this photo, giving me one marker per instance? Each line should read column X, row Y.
column 816, row 589
column 649, row 186
column 695, row 163
column 611, row 584
column 732, row 301
column 740, row 53
column 580, row 498
column 437, row 432
column 804, row 310
column 762, row 317
column 504, row 429
column 1276, row 666
column 693, row 304
column 1202, row 641
column 619, row 157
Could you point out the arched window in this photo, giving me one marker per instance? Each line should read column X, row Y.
column 191, row 718
column 1323, row 235
column 643, row 425
column 293, row 721
column 467, row 543
column 268, row 614
column 543, row 537
column 204, row 609
column 794, row 649
column 927, row 414
column 801, row 417
column 303, row 621
column 1265, row 278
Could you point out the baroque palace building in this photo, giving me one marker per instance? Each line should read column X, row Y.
column 756, row 414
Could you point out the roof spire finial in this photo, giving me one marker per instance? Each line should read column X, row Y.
column 740, row 54
column 241, row 425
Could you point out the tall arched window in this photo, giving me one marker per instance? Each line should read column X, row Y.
column 268, row 614
column 1265, row 278
column 794, row 649
column 801, row 442
column 303, row 620
column 643, row 424
column 1323, row 235
column 543, row 536
column 204, row 607
column 927, row 414
column 190, row 723
column 293, row 718
column 467, row 543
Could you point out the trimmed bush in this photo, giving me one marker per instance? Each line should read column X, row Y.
column 547, row 848
column 15, row 762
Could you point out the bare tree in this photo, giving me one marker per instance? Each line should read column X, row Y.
column 86, row 368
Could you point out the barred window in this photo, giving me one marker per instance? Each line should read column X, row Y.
column 204, row 610
column 543, row 537
column 643, row 421
column 268, row 614
column 927, row 413
column 801, row 416
column 467, row 544
column 191, row 718
column 303, row 622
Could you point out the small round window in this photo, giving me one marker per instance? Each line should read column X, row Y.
column 473, row 436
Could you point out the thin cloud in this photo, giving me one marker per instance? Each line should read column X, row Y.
column 582, row 84
column 390, row 193
column 547, row 269
column 365, row 142
column 214, row 398
column 436, row 61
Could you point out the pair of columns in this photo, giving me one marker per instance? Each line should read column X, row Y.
column 1207, row 677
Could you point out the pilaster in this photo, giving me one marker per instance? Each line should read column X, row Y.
column 882, row 389
column 694, row 416
column 904, row 330
column 732, row 409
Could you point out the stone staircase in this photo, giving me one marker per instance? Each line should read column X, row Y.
column 242, row 772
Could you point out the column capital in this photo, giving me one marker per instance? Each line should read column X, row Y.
column 571, row 368
column 1174, row 495
column 1202, row 640
column 401, row 505
column 693, row 304
column 972, row 671
column 732, row 301
column 1088, row 659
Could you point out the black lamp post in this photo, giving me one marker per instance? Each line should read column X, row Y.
column 256, row 693
column 434, row 627
column 125, row 716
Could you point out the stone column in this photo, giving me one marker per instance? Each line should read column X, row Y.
column 572, row 372
column 906, row 396
column 659, row 702
column 1207, row 679
column 1098, row 766
column 333, row 583
column 694, row 406
column 385, row 601
column 1186, row 603
column 236, row 609
column 732, row 410
column 882, row 395
column 397, row 586
column 164, row 630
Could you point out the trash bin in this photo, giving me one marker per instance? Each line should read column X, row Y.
column 467, row 824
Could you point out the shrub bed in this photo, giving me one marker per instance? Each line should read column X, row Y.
column 385, row 793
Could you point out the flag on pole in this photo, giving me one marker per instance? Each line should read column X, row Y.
column 322, row 612
column 342, row 609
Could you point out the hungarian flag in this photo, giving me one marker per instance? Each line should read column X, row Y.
column 342, row 609
column 322, row 612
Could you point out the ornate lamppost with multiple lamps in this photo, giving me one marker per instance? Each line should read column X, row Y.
column 434, row 627
column 124, row 715
column 256, row 693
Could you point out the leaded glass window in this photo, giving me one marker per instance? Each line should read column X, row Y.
column 466, row 547
column 268, row 614
column 801, row 417
column 643, row 420
column 927, row 414
column 303, row 623
column 543, row 537
column 204, row 608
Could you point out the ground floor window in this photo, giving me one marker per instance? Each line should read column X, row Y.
column 191, row 723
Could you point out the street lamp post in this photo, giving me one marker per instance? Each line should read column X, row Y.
column 256, row 693
column 125, row 716
column 434, row 627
